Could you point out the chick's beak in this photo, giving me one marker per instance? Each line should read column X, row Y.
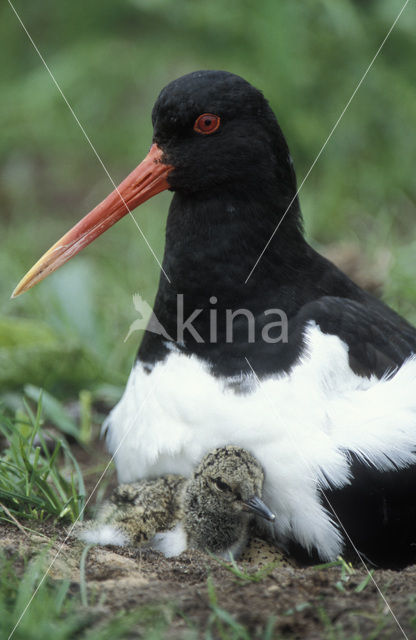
column 259, row 508
column 148, row 179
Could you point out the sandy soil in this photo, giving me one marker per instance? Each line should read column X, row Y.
column 306, row 602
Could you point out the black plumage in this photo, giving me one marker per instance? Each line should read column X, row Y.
column 231, row 190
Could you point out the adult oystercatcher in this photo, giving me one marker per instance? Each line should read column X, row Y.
column 327, row 401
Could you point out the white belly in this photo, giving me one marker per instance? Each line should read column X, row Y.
column 296, row 425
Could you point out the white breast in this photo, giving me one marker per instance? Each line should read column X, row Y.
column 296, row 425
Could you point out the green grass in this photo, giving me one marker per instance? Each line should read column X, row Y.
column 35, row 483
column 336, row 631
column 242, row 574
column 52, row 614
column 347, row 571
column 222, row 624
column 57, row 612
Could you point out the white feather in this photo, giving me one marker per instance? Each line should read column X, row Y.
column 170, row 543
column 103, row 535
column 298, row 425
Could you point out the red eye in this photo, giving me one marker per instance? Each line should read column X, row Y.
column 207, row 123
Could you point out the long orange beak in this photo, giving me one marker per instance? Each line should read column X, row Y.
column 148, row 179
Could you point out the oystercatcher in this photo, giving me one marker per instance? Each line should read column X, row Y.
column 211, row 511
column 290, row 360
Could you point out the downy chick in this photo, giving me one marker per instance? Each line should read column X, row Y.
column 221, row 499
column 210, row 511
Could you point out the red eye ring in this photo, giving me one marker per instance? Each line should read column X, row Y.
column 207, row 123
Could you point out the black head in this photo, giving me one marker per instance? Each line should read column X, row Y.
column 239, row 144
column 217, row 144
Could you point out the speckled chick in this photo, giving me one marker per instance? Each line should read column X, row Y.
column 221, row 499
column 136, row 512
column 211, row 511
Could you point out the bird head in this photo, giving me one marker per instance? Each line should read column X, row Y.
column 221, row 498
column 216, row 130
column 213, row 133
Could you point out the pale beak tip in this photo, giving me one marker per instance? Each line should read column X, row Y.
column 21, row 288
column 15, row 293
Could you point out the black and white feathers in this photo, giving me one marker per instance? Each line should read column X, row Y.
column 322, row 411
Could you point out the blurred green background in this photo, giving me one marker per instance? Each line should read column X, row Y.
column 111, row 58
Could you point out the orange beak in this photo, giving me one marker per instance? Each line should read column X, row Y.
column 148, row 179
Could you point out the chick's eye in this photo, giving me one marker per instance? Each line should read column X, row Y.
column 207, row 123
column 223, row 486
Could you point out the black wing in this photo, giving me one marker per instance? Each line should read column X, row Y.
column 378, row 339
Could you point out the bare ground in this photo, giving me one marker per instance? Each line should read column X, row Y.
column 305, row 602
